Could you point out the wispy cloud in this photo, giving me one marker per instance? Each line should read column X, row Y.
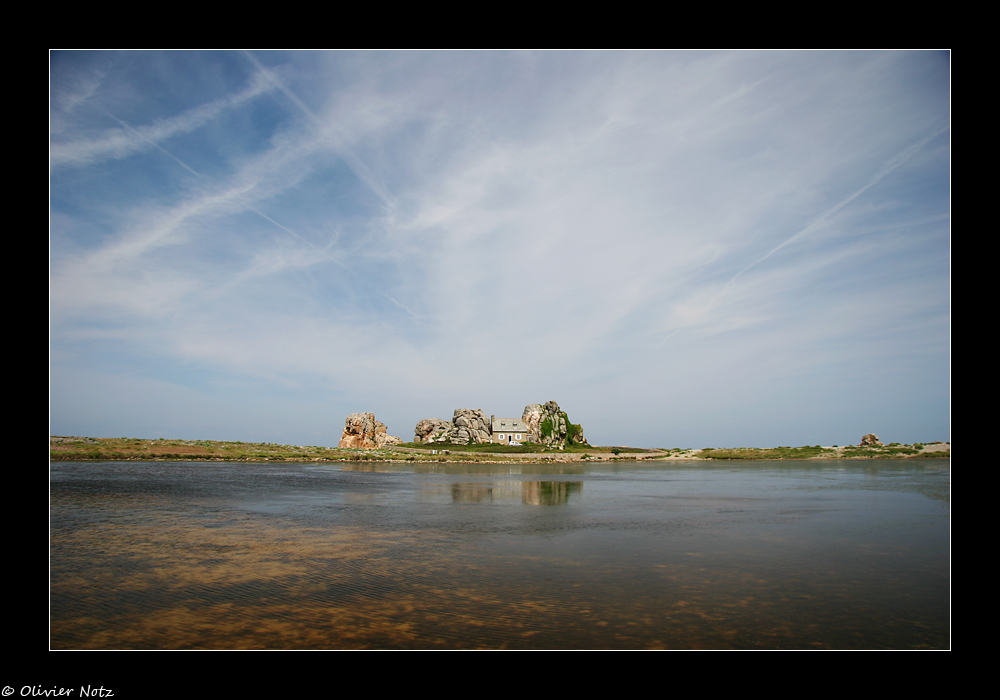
column 126, row 141
column 690, row 313
column 825, row 216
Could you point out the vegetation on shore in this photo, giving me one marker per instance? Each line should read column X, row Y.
column 894, row 450
column 574, row 431
column 63, row 448
column 805, row 452
column 74, row 448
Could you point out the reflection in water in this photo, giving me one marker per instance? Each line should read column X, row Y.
column 476, row 493
column 491, row 469
column 532, row 493
column 298, row 557
column 549, row 493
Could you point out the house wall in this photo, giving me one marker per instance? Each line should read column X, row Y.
column 510, row 429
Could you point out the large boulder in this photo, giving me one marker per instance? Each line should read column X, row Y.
column 467, row 426
column 532, row 417
column 362, row 431
column 470, row 426
column 870, row 440
column 431, row 430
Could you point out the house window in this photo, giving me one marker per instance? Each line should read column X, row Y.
column 517, row 437
column 501, row 436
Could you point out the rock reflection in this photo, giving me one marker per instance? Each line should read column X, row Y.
column 531, row 493
column 549, row 493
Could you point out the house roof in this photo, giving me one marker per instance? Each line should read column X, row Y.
column 508, row 425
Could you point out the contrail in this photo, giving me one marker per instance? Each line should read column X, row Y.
column 894, row 163
column 256, row 211
column 891, row 165
column 355, row 163
column 304, row 240
column 202, row 177
column 154, row 144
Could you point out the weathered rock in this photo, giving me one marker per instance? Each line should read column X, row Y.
column 362, row 431
column 554, row 427
column 870, row 440
column 532, row 417
column 431, row 430
column 470, row 426
column 467, row 426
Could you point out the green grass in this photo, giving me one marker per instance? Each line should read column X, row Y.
column 76, row 448
column 804, row 452
column 889, row 451
column 944, row 454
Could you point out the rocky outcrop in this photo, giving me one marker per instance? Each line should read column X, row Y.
column 467, row 426
column 554, row 428
column 470, row 426
column 870, row 440
column 546, row 424
column 532, row 417
column 362, row 431
column 431, row 430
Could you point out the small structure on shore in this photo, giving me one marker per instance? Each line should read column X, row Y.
column 362, row 431
column 507, row 431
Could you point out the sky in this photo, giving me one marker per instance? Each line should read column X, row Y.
column 682, row 249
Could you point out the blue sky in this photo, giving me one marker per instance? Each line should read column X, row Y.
column 683, row 249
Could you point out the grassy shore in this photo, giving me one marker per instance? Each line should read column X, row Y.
column 62, row 448
column 86, row 448
column 936, row 450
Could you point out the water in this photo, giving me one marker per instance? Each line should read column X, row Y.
column 760, row 555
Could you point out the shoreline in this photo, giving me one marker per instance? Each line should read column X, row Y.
column 86, row 449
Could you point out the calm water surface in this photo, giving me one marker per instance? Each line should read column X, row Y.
column 755, row 555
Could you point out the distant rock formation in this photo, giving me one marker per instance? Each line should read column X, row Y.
column 546, row 424
column 870, row 440
column 362, row 431
column 554, row 428
column 467, row 426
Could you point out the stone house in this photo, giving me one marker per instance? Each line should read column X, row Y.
column 507, row 430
